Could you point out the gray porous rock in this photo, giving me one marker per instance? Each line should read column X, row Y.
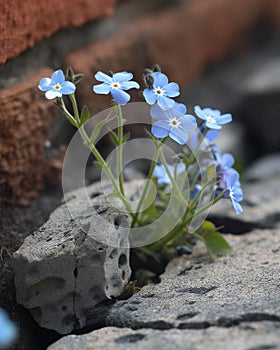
column 78, row 259
column 257, row 336
column 231, row 303
column 238, row 288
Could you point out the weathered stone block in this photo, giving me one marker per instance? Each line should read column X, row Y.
column 76, row 260
column 25, row 120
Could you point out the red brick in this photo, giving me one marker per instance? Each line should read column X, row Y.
column 25, row 119
column 24, row 23
column 183, row 39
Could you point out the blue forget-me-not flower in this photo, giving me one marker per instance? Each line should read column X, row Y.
column 234, row 191
column 115, row 85
column 162, row 176
column 56, row 86
column 8, row 330
column 172, row 122
column 161, row 91
column 212, row 117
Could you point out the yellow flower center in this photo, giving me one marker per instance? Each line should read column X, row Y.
column 159, row 91
column 211, row 120
column 116, row 85
column 57, row 87
column 174, row 122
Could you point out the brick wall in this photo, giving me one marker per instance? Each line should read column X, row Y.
column 183, row 36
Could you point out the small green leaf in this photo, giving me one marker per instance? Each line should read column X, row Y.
column 126, row 137
column 99, row 126
column 77, row 78
column 69, row 74
column 210, row 172
column 114, row 137
column 214, row 241
column 85, row 115
column 216, row 244
column 114, row 195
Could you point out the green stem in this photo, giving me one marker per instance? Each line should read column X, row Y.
column 174, row 184
column 95, row 152
column 147, row 185
column 75, row 108
column 120, row 147
column 104, row 165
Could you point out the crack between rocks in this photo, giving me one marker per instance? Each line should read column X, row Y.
column 223, row 322
column 75, row 273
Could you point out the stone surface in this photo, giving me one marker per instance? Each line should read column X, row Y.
column 25, row 120
column 238, row 288
column 22, row 23
column 256, row 336
column 260, row 106
column 261, row 202
column 64, row 270
column 190, row 30
column 265, row 168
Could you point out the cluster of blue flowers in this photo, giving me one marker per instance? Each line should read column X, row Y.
column 170, row 119
column 8, row 330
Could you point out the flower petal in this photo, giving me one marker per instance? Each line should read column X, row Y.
column 100, row 76
column 180, row 107
column 160, row 129
column 171, row 90
column 232, row 177
column 44, row 84
column 188, row 122
column 213, row 126
column 150, row 96
column 160, row 79
column 199, row 112
column 238, row 208
column 179, row 135
column 165, row 102
column 51, row 94
column 67, row 88
column 102, row 89
column 225, row 118
column 158, row 113
column 122, row 77
column 227, row 160
column 120, row 96
column 212, row 135
column 58, row 77
column 130, row 85
column 211, row 112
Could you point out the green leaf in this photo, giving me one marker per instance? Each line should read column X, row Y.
column 216, row 244
column 85, row 115
column 99, row 126
column 77, row 78
column 210, row 172
column 114, row 137
column 126, row 137
column 214, row 241
column 114, row 195
column 69, row 74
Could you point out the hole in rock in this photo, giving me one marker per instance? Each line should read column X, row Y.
column 122, row 260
